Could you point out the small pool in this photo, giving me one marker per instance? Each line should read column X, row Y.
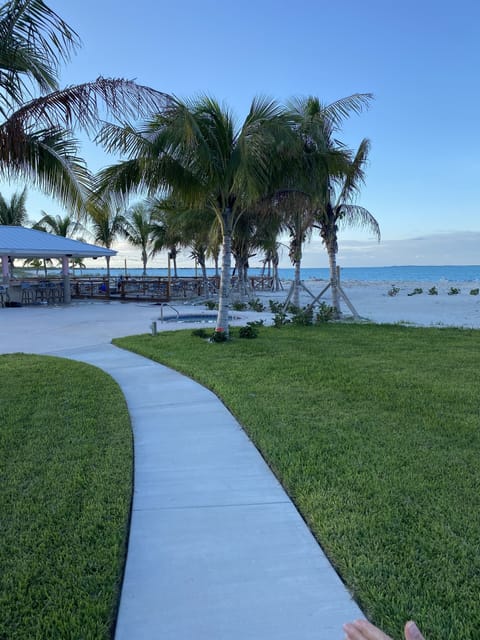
column 206, row 318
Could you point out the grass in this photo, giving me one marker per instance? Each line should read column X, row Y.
column 374, row 432
column 66, row 479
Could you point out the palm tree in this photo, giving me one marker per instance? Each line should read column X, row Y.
column 166, row 233
column 14, row 213
column 326, row 163
column 339, row 210
column 108, row 222
column 65, row 226
column 139, row 229
column 37, row 118
column 195, row 152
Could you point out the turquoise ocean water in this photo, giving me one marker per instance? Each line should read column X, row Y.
column 391, row 275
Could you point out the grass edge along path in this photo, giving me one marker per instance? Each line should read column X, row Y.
column 374, row 432
column 66, row 486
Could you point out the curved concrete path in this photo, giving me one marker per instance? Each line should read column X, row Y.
column 217, row 550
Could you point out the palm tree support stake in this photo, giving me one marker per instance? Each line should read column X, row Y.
column 322, row 292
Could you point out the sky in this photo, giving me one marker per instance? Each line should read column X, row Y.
column 420, row 59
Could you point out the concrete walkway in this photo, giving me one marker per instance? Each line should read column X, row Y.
column 217, row 550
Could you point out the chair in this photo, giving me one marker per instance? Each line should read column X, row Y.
column 3, row 294
column 29, row 293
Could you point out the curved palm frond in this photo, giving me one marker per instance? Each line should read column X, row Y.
column 354, row 174
column 15, row 212
column 48, row 159
column 33, row 38
column 84, row 105
column 352, row 215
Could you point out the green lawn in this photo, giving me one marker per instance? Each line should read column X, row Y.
column 66, row 482
column 374, row 432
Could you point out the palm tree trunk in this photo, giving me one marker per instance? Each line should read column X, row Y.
column 144, row 260
column 276, row 277
column 296, row 283
column 332, row 260
column 107, row 290
column 224, row 297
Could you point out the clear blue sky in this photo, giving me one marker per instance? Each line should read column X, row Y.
column 420, row 59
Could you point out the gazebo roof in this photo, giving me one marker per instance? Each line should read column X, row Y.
column 20, row 242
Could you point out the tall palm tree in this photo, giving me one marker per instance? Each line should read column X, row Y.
column 14, row 213
column 326, row 164
column 108, row 222
column 65, row 226
column 339, row 210
column 139, row 229
column 37, row 117
column 195, row 152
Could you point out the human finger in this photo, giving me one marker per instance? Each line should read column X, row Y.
column 364, row 630
column 412, row 632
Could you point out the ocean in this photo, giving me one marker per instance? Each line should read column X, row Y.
column 390, row 275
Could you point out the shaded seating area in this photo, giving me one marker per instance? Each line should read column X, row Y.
column 22, row 243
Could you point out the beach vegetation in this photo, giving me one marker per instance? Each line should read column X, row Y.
column 66, row 451
column 211, row 305
column 393, row 291
column 373, row 431
column 249, row 331
column 325, row 313
column 238, row 305
column 280, row 319
column 416, row 292
column 255, row 304
column 474, row 292
column 433, row 291
column 453, row 291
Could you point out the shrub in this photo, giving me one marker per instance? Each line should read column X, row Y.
column 325, row 313
column 280, row 319
column 211, row 304
column 454, row 291
column 433, row 291
column 303, row 317
column 256, row 305
column 417, row 291
column 393, row 291
column 474, row 292
column 199, row 333
column 238, row 305
column 249, row 331
column 218, row 335
column 275, row 307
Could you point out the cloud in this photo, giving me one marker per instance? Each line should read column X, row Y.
column 447, row 248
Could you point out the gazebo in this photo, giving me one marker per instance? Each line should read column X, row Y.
column 20, row 242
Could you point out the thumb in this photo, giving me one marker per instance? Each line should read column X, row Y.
column 412, row 632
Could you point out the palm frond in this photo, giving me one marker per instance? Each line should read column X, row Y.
column 354, row 174
column 48, row 159
column 86, row 104
column 352, row 215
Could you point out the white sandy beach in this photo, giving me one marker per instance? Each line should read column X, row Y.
column 372, row 302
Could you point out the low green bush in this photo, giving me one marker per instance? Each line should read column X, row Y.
column 256, row 305
column 416, row 292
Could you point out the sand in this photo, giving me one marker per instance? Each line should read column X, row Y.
column 372, row 302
